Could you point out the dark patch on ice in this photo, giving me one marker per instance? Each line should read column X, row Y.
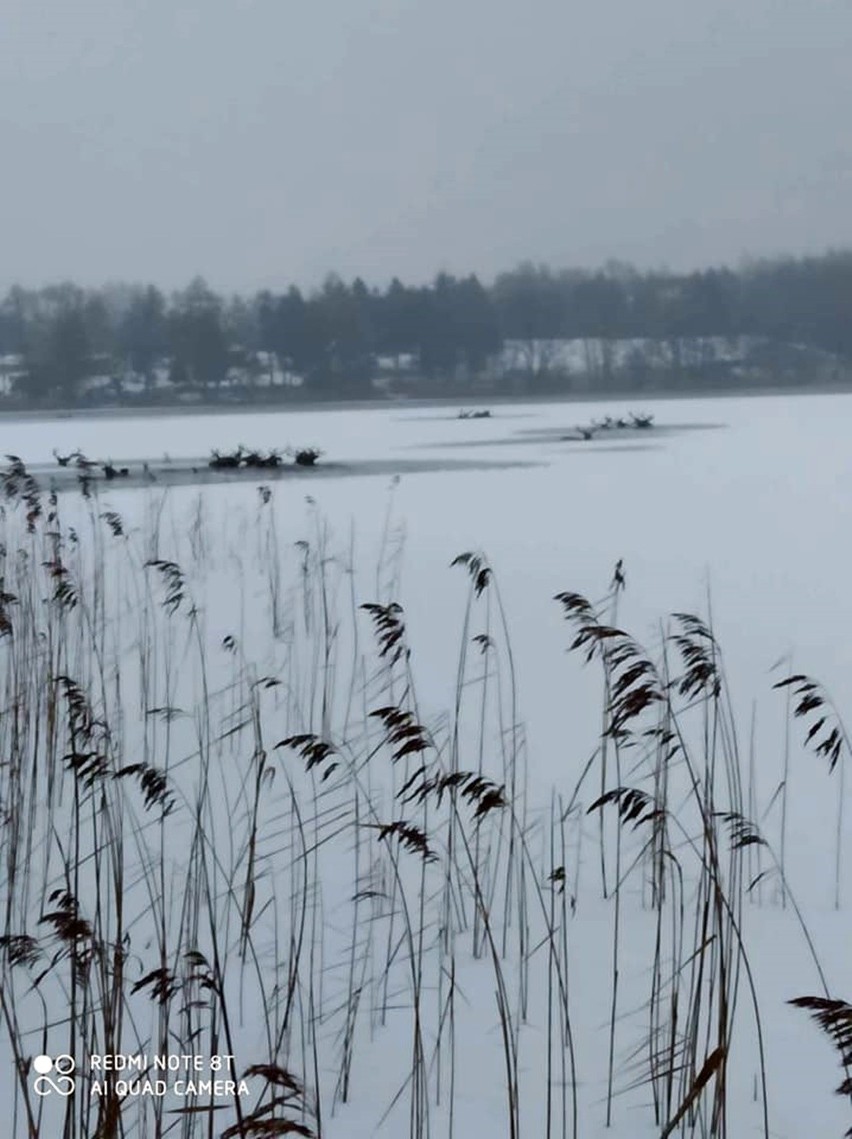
column 607, row 448
column 602, row 439
column 571, row 431
column 456, row 418
column 189, row 472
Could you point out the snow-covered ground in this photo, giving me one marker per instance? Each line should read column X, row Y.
column 734, row 509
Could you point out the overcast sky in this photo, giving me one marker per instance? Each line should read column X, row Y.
column 260, row 142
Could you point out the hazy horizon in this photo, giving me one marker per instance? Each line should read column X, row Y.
column 258, row 145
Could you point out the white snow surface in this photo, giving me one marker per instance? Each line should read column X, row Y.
column 733, row 508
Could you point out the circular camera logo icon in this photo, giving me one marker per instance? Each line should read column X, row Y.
column 53, row 1074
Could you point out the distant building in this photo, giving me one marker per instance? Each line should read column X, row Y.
column 13, row 370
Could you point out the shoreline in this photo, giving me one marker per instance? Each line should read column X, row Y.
column 157, row 411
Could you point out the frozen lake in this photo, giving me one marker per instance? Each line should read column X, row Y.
column 730, row 508
column 740, row 504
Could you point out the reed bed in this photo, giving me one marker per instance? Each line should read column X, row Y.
column 231, row 831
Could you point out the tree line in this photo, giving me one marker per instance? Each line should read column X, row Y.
column 443, row 336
